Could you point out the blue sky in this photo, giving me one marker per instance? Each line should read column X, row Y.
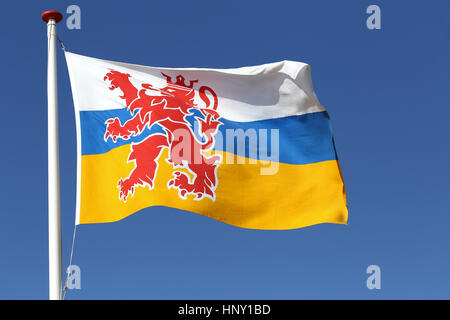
column 387, row 92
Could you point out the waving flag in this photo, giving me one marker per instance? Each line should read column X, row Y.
column 249, row 146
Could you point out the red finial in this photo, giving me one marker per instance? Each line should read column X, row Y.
column 52, row 14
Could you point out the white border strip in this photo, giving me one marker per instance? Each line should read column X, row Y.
column 78, row 129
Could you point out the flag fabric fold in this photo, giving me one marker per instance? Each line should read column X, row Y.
column 250, row 146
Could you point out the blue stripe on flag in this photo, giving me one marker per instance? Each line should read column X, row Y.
column 303, row 138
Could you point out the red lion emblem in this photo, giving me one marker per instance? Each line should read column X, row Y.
column 167, row 107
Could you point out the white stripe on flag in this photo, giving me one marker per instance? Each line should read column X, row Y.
column 267, row 91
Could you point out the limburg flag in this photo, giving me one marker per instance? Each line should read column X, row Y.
column 249, row 146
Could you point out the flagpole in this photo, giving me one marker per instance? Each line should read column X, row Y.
column 54, row 217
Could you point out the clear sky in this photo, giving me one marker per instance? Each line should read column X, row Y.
column 387, row 92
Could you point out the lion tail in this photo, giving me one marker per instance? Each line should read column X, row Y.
column 205, row 98
column 208, row 128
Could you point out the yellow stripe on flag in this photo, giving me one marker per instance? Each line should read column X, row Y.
column 296, row 196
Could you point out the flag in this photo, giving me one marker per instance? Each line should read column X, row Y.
column 250, row 146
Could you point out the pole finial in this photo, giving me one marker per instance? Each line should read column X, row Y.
column 52, row 14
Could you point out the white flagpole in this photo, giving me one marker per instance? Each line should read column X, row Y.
column 54, row 217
